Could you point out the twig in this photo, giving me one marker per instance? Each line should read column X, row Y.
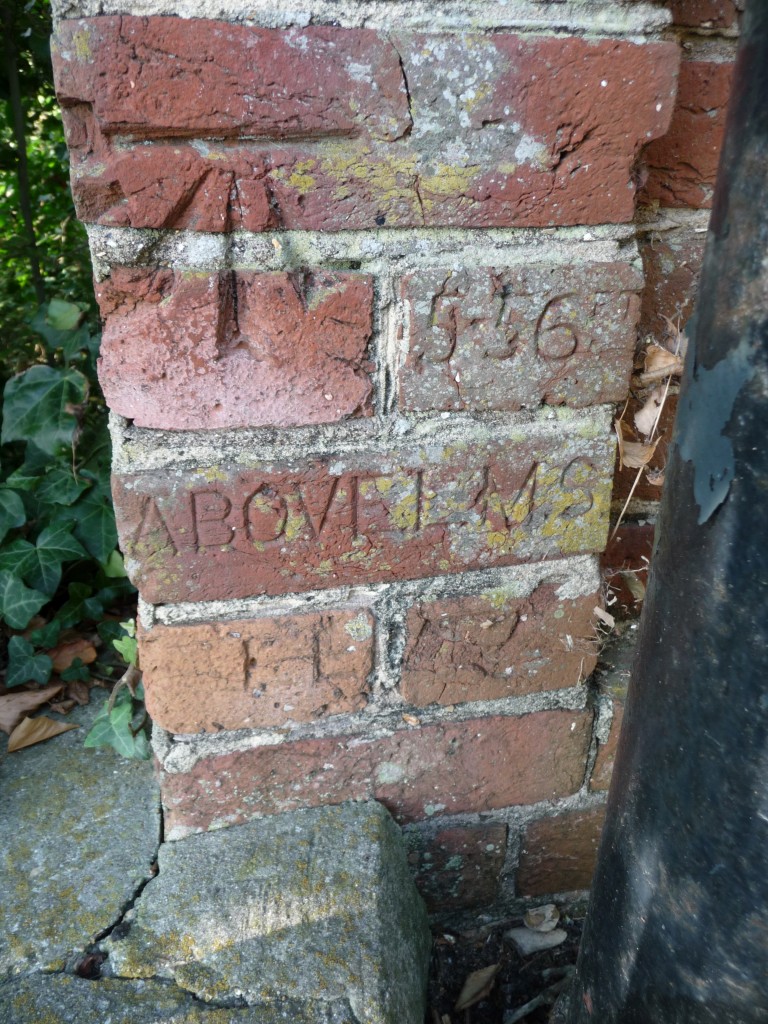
column 642, row 468
column 525, row 1010
column 130, row 679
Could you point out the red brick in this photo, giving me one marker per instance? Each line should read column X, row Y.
column 706, row 13
column 419, row 510
column 509, row 339
column 373, row 140
column 629, row 552
column 476, row 765
column 606, row 752
column 672, row 264
column 559, row 854
column 495, row 645
column 458, row 867
column 182, row 351
column 247, row 674
column 165, row 77
column 682, row 166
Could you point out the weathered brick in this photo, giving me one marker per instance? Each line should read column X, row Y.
column 165, row 77
column 707, row 14
column 222, row 531
column 493, row 645
column 184, row 350
column 672, row 264
column 606, row 752
column 509, row 339
column 559, row 854
column 682, row 166
column 458, row 867
column 245, row 674
column 453, row 767
column 380, row 130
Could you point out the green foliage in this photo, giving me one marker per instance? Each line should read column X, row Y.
column 122, row 723
column 58, row 542
column 62, row 246
column 58, row 548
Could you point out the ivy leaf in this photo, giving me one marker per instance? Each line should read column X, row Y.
column 96, row 524
column 47, row 636
column 81, row 605
column 21, row 559
column 141, row 748
column 76, row 671
column 114, row 567
column 60, row 324
column 62, row 315
column 114, row 730
column 57, row 542
column 59, row 487
column 23, row 479
column 39, row 407
column 12, row 512
column 18, row 603
column 40, row 565
column 128, row 649
column 24, row 666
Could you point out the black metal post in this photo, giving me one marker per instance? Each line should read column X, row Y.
column 677, row 931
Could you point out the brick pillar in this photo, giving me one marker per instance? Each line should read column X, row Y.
column 369, row 296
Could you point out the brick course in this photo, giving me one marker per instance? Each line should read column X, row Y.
column 494, row 645
column 417, row 511
column 458, row 867
column 510, row 339
column 558, row 854
column 189, row 350
column 453, row 767
column 393, row 138
column 248, row 674
column 682, row 165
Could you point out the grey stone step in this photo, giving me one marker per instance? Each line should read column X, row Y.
column 64, row 999
column 79, row 830
column 315, row 906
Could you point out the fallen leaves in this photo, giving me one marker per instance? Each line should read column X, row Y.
column 637, row 443
column 36, row 730
column 64, row 654
column 632, row 454
column 15, row 706
column 477, row 986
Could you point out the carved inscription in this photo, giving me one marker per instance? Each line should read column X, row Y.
column 257, row 672
column 516, row 338
column 331, row 522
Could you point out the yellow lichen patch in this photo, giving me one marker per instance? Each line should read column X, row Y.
column 82, row 43
column 299, row 177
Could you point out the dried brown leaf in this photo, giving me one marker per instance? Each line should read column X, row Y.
column 14, row 706
column 632, row 454
column 477, row 986
column 647, row 417
column 659, row 364
column 63, row 707
column 36, row 730
column 64, row 654
column 604, row 616
column 79, row 692
column 655, row 477
column 635, row 586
